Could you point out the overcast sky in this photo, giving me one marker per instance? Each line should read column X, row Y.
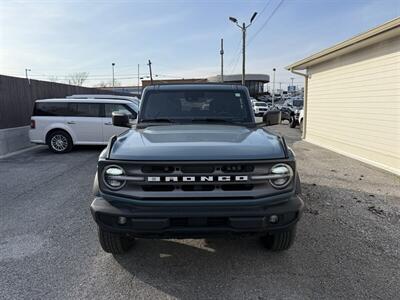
column 182, row 38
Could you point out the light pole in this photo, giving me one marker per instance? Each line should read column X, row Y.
column 222, row 60
column 26, row 75
column 273, row 88
column 113, row 81
column 151, row 72
column 291, row 78
column 243, row 28
column 138, row 79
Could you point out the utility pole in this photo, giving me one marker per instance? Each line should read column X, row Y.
column 151, row 74
column 138, row 79
column 26, row 75
column 273, row 88
column 243, row 28
column 113, row 80
column 222, row 60
column 292, row 88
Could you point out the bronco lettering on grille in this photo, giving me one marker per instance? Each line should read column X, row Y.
column 222, row 178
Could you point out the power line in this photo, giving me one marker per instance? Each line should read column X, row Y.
column 235, row 58
column 266, row 22
column 262, row 11
column 236, row 62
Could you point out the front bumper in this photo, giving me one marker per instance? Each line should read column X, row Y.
column 35, row 136
column 191, row 221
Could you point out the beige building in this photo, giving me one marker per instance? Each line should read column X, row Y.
column 352, row 97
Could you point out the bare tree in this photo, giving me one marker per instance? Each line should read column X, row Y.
column 78, row 78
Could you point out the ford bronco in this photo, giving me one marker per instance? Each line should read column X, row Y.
column 196, row 164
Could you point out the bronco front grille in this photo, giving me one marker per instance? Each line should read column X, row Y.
column 195, row 180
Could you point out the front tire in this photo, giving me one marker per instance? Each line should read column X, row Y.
column 60, row 141
column 279, row 241
column 292, row 122
column 114, row 243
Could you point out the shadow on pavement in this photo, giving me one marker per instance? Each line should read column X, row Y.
column 201, row 269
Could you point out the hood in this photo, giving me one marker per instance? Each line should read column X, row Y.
column 197, row 142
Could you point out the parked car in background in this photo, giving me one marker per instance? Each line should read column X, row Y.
column 301, row 119
column 253, row 100
column 288, row 110
column 63, row 123
column 259, row 108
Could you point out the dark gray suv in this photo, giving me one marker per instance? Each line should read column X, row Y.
column 194, row 165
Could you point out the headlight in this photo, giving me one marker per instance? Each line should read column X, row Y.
column 113, row 177
column 283, row 175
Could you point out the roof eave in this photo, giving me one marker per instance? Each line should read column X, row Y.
column 391, row 28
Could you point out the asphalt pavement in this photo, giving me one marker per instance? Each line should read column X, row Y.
column 348, row 242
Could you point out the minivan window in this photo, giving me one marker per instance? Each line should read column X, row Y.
column 116, row 107
column 84, row 109
column 50, row 109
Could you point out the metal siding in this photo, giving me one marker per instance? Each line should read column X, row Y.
column 353, row 105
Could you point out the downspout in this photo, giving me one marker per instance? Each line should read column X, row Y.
column 306, row 76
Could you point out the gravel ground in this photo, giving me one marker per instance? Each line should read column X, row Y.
column 347, row 245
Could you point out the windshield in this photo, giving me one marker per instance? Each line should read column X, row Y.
column 261, row 104
column 195, row 105
column 298, row 103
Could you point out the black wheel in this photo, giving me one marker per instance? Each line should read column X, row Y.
column 59, row 141
column 292, row 122
column 279, row 241
column 114, row 243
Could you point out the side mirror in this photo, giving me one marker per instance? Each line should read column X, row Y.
column 272, row 117
column 120, row 119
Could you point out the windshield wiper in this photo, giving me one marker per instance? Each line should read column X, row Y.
column 216, row 120
column 157, row 121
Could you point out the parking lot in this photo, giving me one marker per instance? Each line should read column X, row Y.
column 348, row 242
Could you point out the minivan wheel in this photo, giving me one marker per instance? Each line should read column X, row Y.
column 279, row 241
column 114, row 243
column 59, row 141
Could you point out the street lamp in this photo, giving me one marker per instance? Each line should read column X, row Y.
column 273, row 88
column 113, row 81
column 243, row 27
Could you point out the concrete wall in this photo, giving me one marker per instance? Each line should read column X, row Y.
column 14, row 139
column 353, row 105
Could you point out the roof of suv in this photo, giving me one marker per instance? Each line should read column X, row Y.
column 198, row 86
column 102, row 96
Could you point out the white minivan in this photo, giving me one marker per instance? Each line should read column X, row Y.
column 63, row 123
